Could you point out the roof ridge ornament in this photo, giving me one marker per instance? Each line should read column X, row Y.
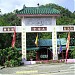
column 24, row 6
column 38, row 4
column 0, row 12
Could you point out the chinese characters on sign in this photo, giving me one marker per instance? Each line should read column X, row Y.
column 8, row 28
column 68, row 28
column 38, row 28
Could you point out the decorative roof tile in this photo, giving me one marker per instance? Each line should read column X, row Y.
column 38, row 11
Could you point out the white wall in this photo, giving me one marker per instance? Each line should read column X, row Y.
column 39, row 21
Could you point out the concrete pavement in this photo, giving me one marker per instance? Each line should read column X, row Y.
column 41, row 69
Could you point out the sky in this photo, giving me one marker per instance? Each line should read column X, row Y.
column 8, row 6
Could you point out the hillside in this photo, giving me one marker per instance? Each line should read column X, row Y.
column 67, row 17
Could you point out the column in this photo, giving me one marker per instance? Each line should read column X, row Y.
column 23, row 43
column 54, row 43
column 23, row 39
column 53, row 21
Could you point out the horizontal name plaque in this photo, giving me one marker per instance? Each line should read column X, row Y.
column 68, row 28
column 8, row 28
column 38, row 28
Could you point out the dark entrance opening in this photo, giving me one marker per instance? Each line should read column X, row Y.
column 45, row 53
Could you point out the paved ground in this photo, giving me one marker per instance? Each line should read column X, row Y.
column 40, row 69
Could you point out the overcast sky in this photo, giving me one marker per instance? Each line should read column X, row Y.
column 10, row 5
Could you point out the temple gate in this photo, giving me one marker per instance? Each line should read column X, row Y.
column 38, row 19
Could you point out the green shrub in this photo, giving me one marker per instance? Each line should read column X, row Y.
column 10, row 57
column 73, row 53
column 7, row 64
column 31, row 55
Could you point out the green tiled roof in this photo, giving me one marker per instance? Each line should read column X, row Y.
column 38, row 10
column 48, row 42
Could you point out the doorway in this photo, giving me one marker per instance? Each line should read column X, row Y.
column 45, row 53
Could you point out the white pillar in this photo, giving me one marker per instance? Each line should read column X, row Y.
column 54, row 43
column 23, row 43
column 53, row 21
column 23, row 39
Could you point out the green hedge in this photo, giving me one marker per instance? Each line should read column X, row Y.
column 10, row 57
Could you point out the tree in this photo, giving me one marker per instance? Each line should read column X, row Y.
column 9, row 19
